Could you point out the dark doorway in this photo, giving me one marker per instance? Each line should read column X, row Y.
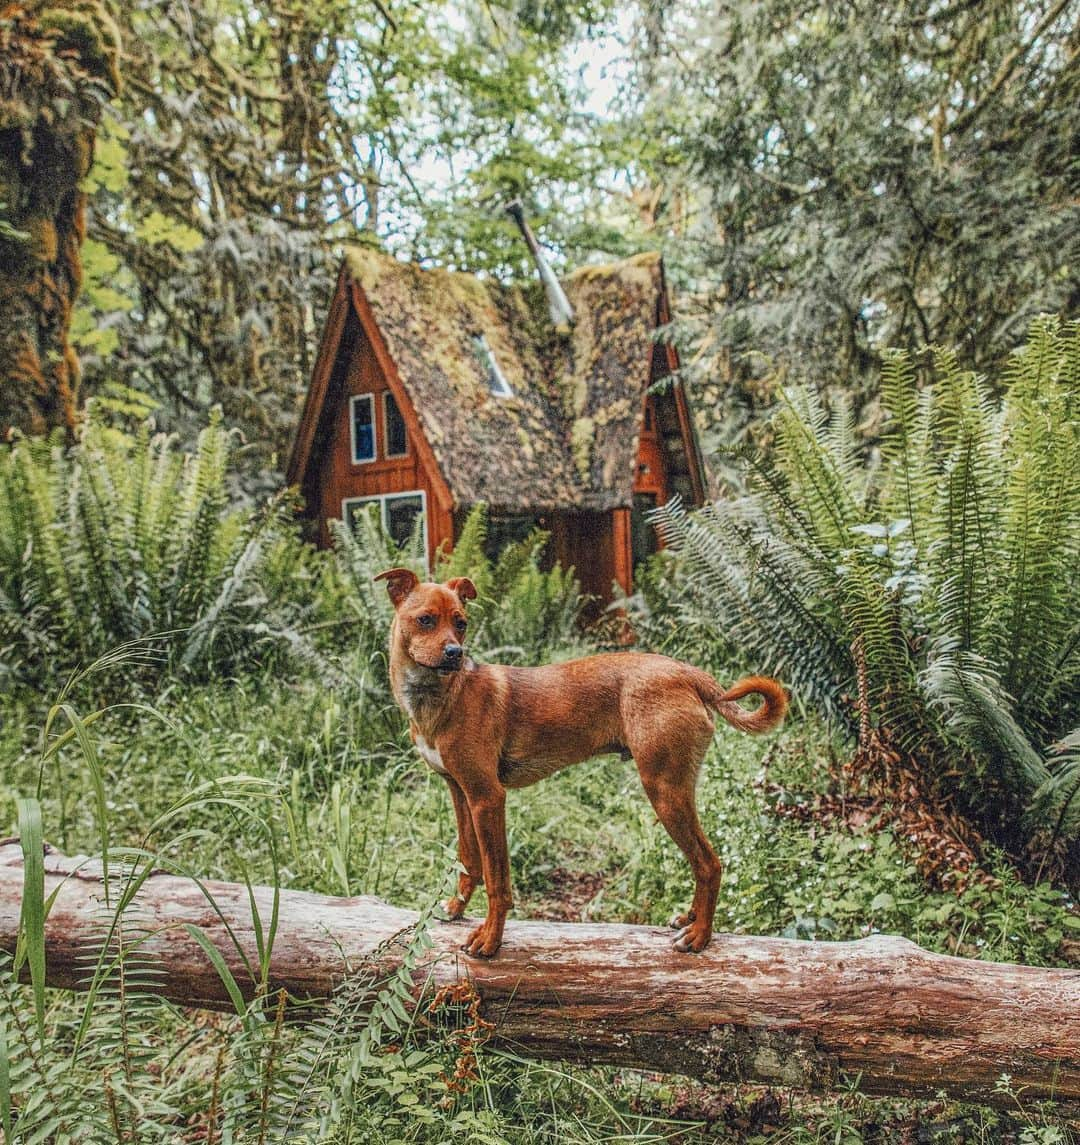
column 643, row 540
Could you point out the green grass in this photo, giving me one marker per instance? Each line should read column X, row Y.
column 359, row 813
column 351, row 809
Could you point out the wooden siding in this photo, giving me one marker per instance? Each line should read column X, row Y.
column 650, row 475
column 599, row 545
column 339, row 477
column 585, row 541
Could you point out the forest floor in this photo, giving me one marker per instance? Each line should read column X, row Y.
column 353, row 810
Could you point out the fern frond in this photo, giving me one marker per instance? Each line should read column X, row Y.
column 904, row 443
column 979, row 712
column 1056, row 803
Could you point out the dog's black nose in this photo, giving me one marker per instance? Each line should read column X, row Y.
column 452, row 653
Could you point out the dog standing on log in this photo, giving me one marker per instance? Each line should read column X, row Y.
column 488, row 727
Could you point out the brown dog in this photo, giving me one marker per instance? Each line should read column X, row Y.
column 488, row 727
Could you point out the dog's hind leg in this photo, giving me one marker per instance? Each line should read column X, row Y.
column 468, row 852
column 669, row 776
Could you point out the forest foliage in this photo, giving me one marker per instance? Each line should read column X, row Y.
column 826, row 182
column 839, row 180
column 946, row 576
column 129, row 553
column 862, row 209
column 251, row 140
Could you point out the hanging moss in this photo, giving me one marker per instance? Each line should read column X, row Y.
column 90, row 32
column 57, row 63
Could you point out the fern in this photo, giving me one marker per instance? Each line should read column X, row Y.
column 954, row 565
column 123, row 538
column 522, row 612
column 1057, row 801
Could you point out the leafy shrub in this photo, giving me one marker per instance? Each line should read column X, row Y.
column 952, row 567
column 523, row 614
column 123, row 538
column 665, row 616
column 348, row 592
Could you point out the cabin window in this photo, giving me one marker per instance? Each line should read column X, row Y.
column 362, row 427
column 496, row 379
column 398, row 513
column 397, row 444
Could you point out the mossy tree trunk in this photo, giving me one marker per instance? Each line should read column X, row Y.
column 58, row 64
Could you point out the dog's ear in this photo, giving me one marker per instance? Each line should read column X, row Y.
column 464, row 587
column 399, row 583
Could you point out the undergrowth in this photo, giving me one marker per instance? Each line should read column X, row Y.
column 940, row 585
column 280, row 781
column 247, row 733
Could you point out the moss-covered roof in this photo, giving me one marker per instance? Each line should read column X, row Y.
column 569, row 434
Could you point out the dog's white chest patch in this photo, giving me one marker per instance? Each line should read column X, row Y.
column 430, row 755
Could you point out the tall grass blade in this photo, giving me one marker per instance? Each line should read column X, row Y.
column 32, row 913
column 224, row 973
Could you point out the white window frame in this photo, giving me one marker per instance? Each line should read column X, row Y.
column 387, row 397
column 370, row 399
column 382, row 498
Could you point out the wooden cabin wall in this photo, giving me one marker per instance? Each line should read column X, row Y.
column 650, row 474
column 598, row 544
column 340, row 477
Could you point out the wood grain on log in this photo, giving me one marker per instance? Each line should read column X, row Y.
column 778, row 1011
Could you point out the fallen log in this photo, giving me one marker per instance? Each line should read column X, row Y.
column 796, row 1014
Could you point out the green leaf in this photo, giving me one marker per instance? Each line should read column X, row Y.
column 218, row 962
column 5, row 1085
column 32, row 912
column 157, row 228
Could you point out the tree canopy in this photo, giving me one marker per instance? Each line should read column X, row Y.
column 825, row 180
column 251, row 138
column 843, row 178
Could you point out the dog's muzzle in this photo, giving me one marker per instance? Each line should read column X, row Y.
column 452, row 656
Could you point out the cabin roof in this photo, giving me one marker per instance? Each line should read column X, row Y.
column 567, row 436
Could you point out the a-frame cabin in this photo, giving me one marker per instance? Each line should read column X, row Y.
column 435, row 390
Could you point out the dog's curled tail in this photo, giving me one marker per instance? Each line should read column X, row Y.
column 763, row 719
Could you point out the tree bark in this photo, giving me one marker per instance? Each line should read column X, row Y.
column 60, row 61
column 801, row 1014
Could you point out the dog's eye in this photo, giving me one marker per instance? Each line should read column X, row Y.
column 461, row 624
column 426, row 621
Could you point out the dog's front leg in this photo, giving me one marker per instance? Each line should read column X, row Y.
column 487, row 804
column 468, row 852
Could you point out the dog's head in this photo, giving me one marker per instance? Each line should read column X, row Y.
column 431, row 622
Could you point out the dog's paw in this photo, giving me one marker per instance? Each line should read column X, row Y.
column 692, row 939
column 482, row 943
column 682, row 921
column 453, row 909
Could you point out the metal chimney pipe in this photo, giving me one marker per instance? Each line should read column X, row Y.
column 562, row 314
